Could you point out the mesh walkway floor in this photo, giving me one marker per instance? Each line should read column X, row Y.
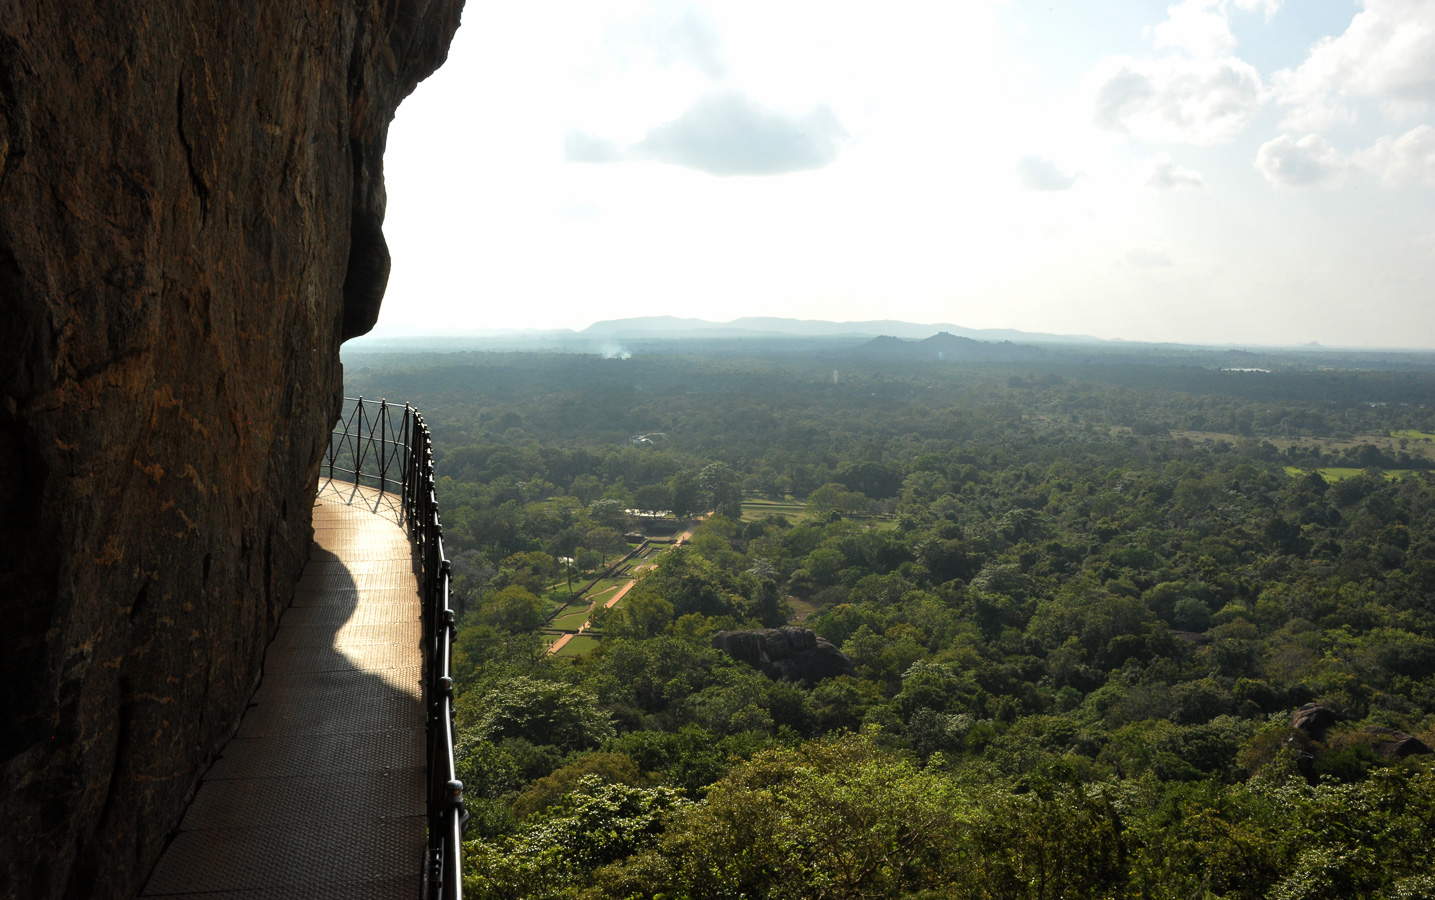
column 320, row 793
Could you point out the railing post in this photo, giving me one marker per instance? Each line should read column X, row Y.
column 358, row 425
column 383, row 444
column 405, row 490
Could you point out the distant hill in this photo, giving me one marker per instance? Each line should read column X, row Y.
column 771, row 326
column 948, row 347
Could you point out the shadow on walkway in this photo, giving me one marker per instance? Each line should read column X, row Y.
column 320, row 793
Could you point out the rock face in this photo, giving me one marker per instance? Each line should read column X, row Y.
column 1392, row 744
column 796, row 654
column 1314, row 720
column 191, row 196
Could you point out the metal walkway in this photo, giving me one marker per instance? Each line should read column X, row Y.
column 321, row 792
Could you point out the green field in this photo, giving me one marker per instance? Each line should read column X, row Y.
column 571, row 620
column 1336, row 473
column 554, row 603
column 607, row 584
column 801, row 609
column 794, row 510
column 578, row 646
column 1411, row 434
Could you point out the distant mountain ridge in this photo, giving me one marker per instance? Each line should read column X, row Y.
column 772, row 326
column 947, row 347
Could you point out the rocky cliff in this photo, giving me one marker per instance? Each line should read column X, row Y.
column 191, row 196
column 790, row 652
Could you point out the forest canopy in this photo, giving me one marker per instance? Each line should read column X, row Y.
column 1084, row 601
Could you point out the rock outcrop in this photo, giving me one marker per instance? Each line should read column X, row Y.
column 1314, row 720
column 191, row 196
column 796, row 654
column 1391, row 744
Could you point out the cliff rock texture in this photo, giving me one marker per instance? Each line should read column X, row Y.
column 796, row 654
column 191, row 195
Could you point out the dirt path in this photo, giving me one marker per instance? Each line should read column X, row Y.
column 613, row 600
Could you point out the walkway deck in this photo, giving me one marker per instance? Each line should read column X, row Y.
column 320, row 794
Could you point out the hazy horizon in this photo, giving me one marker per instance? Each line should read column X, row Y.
column 1209, row 172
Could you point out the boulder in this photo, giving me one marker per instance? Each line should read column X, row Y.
column 191, row 194
column 1314, row 720
column 790, row 652
column 1391, row 744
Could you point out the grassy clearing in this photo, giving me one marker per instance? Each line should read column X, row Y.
column 607, row 584
column 801, row 609
column 601, row 594
column 1418, row 443
column 570, row 621
column 1336, row 473
column 560, row 596
column 578, row 646
column 554, row 603
column 794, row 510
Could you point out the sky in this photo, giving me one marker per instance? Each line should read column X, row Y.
column 1208, row 171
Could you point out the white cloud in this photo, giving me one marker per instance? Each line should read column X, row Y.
column 580, row 146
column 683, row 33
column 1308, row 162
column 1165, row 176
column 726, row 133
column 667, row 34
column 1175, row 99
column 1146, row 258
column 1200, row 27
column 1408, row 159
column 1385, row 54
column 730, row 134
column 1267, row 8
column 1041, row 174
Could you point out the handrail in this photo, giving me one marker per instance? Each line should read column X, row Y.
column 379, row 445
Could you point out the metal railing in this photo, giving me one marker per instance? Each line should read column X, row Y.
column 378, row 444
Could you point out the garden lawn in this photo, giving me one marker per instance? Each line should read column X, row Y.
column 1336, row 473
column 578, row 645
column 571, row 621
column 794, row 510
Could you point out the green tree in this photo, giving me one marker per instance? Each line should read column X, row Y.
column 512, row 609
column 544, row 712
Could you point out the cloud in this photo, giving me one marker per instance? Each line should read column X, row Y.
column 582, row 147
column 1041, row 174
column 1385, row 54
column 726, row 134
column 1143, row 258
column 730, row 134
column 1308, row 162
column 1176, row 99
column 1311, row 162
column 1200, row 27
column 1267, row 8
column 679, row 33
column 1167, row 177
column 1406, row 160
